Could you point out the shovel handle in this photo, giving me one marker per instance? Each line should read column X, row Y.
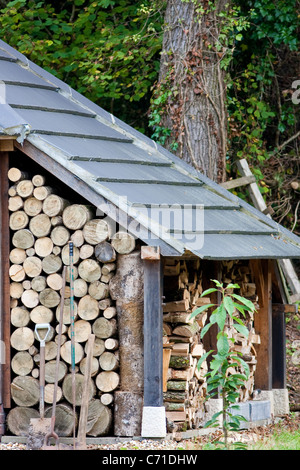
column 42, row 381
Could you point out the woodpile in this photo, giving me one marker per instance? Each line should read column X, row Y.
column 42, row 224
column 185, row 385
column 239, row 272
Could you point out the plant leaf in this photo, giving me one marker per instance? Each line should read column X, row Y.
column 208, row 291
column 229, row 305
column 200, row 310
column 223, row 345
column 244, row 301
column 241, row 329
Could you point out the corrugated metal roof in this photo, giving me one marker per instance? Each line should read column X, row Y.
column 166, row 201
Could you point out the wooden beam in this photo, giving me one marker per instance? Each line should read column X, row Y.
column 153, row 334
column 238, row 182
column 279, row 288
column 5, row 377
column 6, row 144
column 151, row 253
column 255, row 194
column 263, row 326
column 258, row 275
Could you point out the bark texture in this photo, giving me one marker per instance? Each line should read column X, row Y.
column 190, row 70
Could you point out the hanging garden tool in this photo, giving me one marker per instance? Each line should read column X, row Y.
column 81, row 444
column 39, row 427
column 52, row 433
column 72, row 334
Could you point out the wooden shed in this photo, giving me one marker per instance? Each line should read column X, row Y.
column 149, row 235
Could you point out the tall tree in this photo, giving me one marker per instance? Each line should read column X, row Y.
column 191, row 91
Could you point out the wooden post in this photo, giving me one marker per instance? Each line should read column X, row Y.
column 5, row 378
column 126, row 288
column 154, row 421
column 279, row 350
column 262, row 273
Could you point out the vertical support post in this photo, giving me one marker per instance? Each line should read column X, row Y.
column 262, row 271
column 154, row 416
column 5, row 378
column 279, row 349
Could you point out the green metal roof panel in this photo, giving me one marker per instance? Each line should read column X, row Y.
column 168, row 193
column 239, row 246
column 69, row 124
column 136, row 172
column 92, row 149
column 41, row 99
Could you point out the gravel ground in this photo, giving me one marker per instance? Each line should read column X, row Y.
column 147, row 444
column 289, row 423
column 128, row 445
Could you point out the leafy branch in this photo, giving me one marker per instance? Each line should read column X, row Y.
column 220, row 379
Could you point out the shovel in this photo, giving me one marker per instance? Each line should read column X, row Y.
column 39, row 427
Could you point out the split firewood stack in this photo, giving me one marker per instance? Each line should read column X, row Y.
column 42, row 224
column 185, row 388
column 239, row 272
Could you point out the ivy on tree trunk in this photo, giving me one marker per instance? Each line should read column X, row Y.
column 191, row 89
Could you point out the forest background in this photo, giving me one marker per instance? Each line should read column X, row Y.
column 119, row 54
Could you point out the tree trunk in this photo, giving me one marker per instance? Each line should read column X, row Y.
column 190, row 70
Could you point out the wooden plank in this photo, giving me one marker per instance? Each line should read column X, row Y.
column 279, row 288
column 238, row 182
column 6, row 145
column 4, row 278
column 177, row 306
column 259, row 203
column 153, row 334
column 150, row 252
column 255, row 194
column 263, row 327
column 291, row 277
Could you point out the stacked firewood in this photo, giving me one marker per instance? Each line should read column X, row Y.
column 185, row 386
column 239, row 272
column 42, row 224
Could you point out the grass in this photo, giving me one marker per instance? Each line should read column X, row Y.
column 285, row 440
column 282, row 435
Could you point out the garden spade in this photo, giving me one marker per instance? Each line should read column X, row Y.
column 39, row 427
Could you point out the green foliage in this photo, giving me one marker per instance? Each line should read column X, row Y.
column 220, row 379
column 262, row 116
column 107, row 50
